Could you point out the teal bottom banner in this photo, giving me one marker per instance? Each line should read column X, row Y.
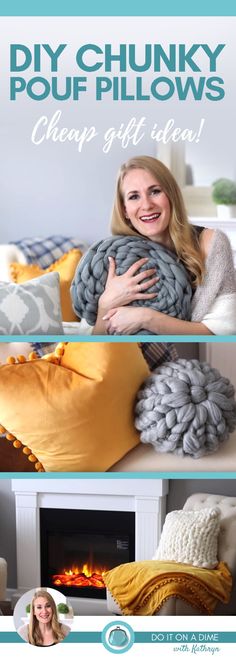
column 138, row 637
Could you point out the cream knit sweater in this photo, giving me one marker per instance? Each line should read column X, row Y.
column 214, row 302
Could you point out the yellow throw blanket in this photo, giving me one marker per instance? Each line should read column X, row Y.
column 141, row 588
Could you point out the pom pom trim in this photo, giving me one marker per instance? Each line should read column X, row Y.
column 55, row 358
column 4, row 434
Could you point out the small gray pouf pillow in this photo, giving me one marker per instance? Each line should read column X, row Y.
column 186, row 407
column 173, row 289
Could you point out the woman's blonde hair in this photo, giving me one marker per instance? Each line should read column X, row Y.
column 182, row 234
column 34, row 633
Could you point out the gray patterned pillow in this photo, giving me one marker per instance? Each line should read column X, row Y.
column 31, row 308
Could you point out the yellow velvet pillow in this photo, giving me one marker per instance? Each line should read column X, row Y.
column 73, row 410
column 65, row 266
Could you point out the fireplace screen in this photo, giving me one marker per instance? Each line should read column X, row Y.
column 78, row 546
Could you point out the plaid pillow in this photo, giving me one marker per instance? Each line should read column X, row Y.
column 43, row 348
column 154, row 353
column 44, row 251
column 158, row 353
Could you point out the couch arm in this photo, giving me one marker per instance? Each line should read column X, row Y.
column 3, row 578
column 9, row 253
column 112, row 606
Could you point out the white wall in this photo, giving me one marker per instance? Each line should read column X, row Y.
column 180, row 490
column 222, row 356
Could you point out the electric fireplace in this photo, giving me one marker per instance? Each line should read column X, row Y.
column 78, row 546
column 97, row 541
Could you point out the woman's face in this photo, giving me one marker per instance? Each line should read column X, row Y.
column 146, row 205
column 42, row 610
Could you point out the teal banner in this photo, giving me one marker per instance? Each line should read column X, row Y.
column 180, row 637
column 137, row 338
column 123, row 8
column 124, row 475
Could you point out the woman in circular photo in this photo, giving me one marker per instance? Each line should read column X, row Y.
column 44, row 628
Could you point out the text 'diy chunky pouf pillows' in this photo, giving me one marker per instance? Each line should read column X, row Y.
column 186, row 407
column 173, row 288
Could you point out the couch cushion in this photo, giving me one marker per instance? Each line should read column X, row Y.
column 144, row 459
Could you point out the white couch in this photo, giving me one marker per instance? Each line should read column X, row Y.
column 9, row 253
column 144, row 458
column 3, row 578
column 226, row 553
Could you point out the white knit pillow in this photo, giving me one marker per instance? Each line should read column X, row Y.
column 190, row 537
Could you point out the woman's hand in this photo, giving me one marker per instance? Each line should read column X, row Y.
column 128, row 287
column 124, row 320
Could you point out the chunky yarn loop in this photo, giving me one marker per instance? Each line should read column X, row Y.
column 173, row 288
column 186, row 407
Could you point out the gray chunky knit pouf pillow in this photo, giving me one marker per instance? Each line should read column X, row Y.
column 173, row 288
column 186, row 407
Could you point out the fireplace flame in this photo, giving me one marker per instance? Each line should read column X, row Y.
column 88, row 575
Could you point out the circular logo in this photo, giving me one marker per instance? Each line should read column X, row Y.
column 118, row 638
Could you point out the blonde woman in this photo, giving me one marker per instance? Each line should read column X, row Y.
column 148, row 202
column 44, row 628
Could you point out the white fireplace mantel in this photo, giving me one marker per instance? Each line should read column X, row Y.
column 145, row 497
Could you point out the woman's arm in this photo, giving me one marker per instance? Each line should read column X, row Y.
column 100, row 325
column 130, row 320
column 165, row 324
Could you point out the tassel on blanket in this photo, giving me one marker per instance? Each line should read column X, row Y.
column 141, row 588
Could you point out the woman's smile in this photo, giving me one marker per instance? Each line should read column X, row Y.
column 153, row 217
